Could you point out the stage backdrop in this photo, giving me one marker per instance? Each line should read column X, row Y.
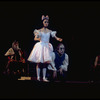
column 76, row 22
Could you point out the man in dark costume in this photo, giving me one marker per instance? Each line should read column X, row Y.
column 59, row 65
column 16, row 64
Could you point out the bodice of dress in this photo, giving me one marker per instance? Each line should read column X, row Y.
column 44, row 37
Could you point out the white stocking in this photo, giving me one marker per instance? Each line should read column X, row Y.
column 44, row 73
column 38, row 72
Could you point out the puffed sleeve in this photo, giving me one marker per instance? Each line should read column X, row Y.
column 65, row 63
column 53, row 33
column 9, row 52
column 37, row 33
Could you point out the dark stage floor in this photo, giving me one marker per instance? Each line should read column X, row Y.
column 28, row 89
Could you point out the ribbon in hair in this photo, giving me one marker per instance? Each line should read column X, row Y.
column 45, row 17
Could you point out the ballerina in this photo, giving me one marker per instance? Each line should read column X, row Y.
column 42, row 50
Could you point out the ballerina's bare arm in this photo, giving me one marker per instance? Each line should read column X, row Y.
column 37, row 37
column 54, row 35
column 58, row 39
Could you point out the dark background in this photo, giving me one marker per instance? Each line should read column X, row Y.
column 76, row 22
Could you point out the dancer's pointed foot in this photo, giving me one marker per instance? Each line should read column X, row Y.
column 38, row 79
column 45, row 80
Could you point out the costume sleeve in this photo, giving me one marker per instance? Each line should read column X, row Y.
column 37, row 33
column 53, row 33
column 51, row 66
column 96, row 60
column 9, row 52
column 65, row 63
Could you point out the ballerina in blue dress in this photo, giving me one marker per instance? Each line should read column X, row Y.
column 42, row 50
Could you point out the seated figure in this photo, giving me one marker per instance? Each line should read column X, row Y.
column 96, row 74
column 16, row 61
column 58, row 68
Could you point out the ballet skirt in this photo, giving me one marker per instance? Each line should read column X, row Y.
column 42, row 50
